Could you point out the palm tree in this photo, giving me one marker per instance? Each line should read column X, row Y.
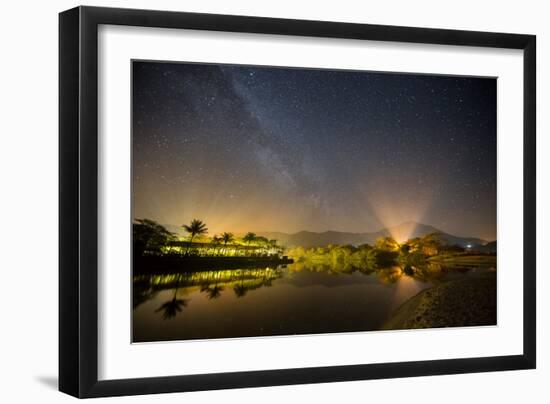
column 216, row 241
column 248, row 238
column 196, row 228
column 226, row 238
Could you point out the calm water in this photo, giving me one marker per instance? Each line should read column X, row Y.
column 275, row 301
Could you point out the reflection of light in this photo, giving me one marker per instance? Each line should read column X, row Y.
column 405, row 288
column 469, row 246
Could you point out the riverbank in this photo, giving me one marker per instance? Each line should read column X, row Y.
column 459, row 303
column 168, row 264
column 466, row 260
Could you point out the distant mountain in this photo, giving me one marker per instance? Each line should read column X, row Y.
column 312, row 239
column 490, row 247
column 403, row 231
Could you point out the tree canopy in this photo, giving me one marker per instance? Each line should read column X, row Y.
column 149, row 236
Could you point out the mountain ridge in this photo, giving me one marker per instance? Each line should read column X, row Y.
column 401, row 232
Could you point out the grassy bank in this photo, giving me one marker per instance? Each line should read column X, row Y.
column 466, row 260
column 464, row 302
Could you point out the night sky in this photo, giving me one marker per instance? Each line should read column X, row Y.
column 248, row 148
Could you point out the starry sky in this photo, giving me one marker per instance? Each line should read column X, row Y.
column 253, row 148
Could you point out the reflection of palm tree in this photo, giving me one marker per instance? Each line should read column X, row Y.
column 172, row 307
column 214, row 292
column 196, row 228
column 240, row 290
column 141, row 292
column 266, row 281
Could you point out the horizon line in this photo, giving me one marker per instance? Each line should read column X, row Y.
column 362, row 232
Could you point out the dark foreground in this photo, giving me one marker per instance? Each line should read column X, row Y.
column 459, row 303
column 305, row 299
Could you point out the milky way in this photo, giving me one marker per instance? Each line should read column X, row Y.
column 285, row 149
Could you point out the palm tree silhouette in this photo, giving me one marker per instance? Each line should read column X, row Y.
column 172, row 307
column 249, row 237
column 216, row 241
column 197, row 227
column 226, row 238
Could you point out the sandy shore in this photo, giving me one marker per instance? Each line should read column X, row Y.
column 465, row 302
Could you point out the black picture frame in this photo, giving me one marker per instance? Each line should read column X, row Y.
column 78, row 201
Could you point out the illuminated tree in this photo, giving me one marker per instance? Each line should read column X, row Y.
column 263, row 242
column 227, row 238
column 387, row 243
column 298, row 253
column 249, row 237
column 216, row 241
column 273, row 245
column 431, row 244
column 414, row 244
column 405, row 249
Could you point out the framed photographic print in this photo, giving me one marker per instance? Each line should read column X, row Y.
column 250, row 201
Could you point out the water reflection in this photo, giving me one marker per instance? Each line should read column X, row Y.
column 213, row 292
column 172, row 307
column 276, row 301
column 211, row 283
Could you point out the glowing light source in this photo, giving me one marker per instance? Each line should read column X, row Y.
column 399, row 216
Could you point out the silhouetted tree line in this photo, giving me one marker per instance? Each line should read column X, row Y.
column 151, row 238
